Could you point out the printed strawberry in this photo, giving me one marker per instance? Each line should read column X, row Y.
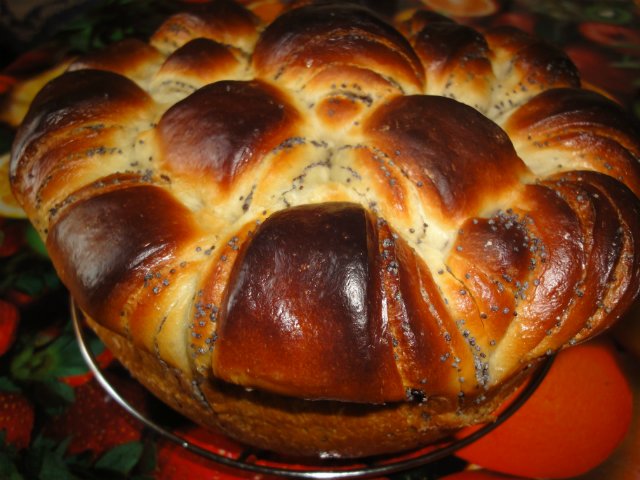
column 9, row 320
column 11, row 237
column 177, row 463
column 6, row 82
column 16, row 418
column 523, row 20
column 19, row 298
column 590, row 58
column 103, row 360
column 97, row 423
column 621, row 38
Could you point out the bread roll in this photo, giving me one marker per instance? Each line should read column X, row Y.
column 334, row 232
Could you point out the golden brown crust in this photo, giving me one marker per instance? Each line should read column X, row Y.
column 202, row 58
column 77, row 121
column 223, row 21
column 116, row 227
column 583, row 125
column 296, row 427
column 362, row 220
column 481, row 169
column 212, row 134
column 130, row 57
column 334, row 34
column 318, row 330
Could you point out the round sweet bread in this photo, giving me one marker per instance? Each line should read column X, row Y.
column 339, row 231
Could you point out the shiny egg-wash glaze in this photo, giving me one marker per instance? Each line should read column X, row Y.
column 335, row 233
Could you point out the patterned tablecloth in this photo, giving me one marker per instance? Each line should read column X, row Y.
column 53, row 412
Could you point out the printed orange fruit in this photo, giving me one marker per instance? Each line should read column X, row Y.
column 572, row 423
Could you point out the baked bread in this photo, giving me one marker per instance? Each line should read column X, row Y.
column 333, row 232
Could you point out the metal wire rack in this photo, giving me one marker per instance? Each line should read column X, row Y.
column 249, row 460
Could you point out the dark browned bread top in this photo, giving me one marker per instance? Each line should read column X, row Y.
column 336, row 204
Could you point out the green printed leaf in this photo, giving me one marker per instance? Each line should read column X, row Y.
column 28, row 272
column 45, row 460
column 8, row 469
column 54, row 396
column 7, row 385
column 122, row 458
column 148, row 460
column 35, row 242
column 55, row 468
column 6, row 139
column 59, row 358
